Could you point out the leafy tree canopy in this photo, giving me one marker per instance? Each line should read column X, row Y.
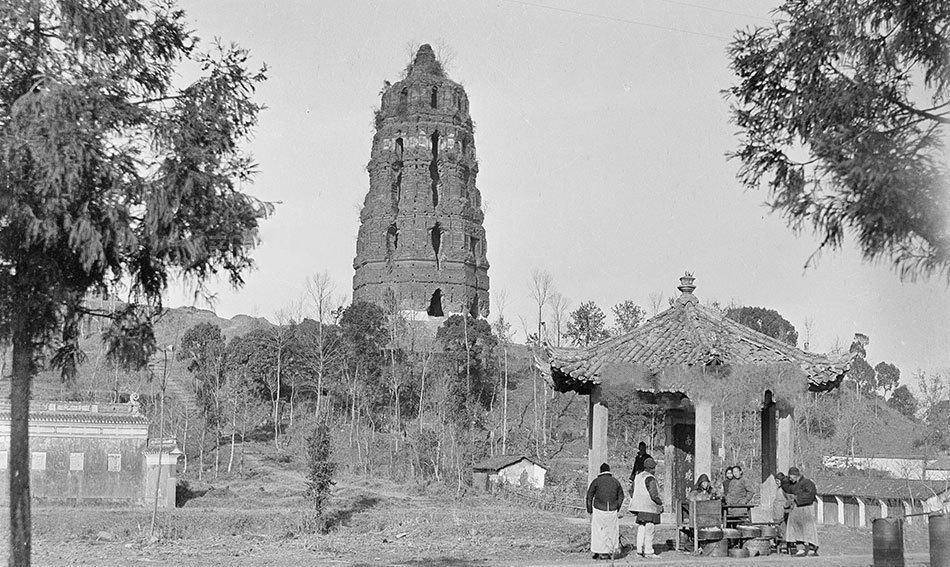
column 114, row 177
column 841, row 106
column 766, row 321
column 904, row 401
column 628, row 315
column 587, row 325
column 888, row 376
column 469, row 363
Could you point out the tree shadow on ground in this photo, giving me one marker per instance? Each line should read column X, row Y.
column 445, row 561
column 185, row 492
column 263, row 432
column 441, row 561
column 342, row 516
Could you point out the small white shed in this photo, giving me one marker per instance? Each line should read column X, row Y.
column 517, row 470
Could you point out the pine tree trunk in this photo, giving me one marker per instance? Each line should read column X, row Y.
column 184, row 445
column 19, row 466
column 504, row 420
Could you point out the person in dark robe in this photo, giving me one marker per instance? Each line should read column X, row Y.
column 801, row 530
column 727, row 478
column 703, row 490
column 740, row 491
column 642, row 456
column 604, row 499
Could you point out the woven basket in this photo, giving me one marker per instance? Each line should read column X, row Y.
column 716, row 548
column 759, row 546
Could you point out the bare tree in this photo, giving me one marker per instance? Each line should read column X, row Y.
column 809, row 327
column 656, row 302
column 560, row 308
column 542, row 286
column 320, row 290
column 503, row 331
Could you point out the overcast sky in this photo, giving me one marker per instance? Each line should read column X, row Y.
column 601, row 135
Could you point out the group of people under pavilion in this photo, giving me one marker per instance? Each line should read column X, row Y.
column 687, row 360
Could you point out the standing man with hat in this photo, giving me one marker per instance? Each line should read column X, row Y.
column 801, row 528
column 647, row 504
column 604, row 498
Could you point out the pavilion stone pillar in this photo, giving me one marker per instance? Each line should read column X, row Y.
column 702, row 461
column 669, row 456
column 784, row 457
column 596, row 432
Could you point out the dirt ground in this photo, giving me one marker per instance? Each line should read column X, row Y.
column 264, row 520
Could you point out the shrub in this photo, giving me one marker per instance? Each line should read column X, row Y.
column 320, row 467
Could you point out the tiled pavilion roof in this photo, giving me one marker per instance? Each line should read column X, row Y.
column 686, row 334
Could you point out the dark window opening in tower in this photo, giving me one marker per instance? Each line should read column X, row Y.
column 392, row 240
column 466, row 173
column 474, row 246
column 435, row 304
column 473, row 306
column 464, row 145
column 403, row 98
column 396, row 188
column 436, row 233
column 434, row 168
column 434, row 102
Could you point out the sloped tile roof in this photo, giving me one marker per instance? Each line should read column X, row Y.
column 688, row 334
column 79, row 412
column 502, row 461
column 864, row 487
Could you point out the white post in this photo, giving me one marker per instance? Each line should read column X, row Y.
column 596, row 433
column 884, row 510
column 786, row 441
column 703, row 439
column 862, row 513
column 820, row 514
column 840, row 509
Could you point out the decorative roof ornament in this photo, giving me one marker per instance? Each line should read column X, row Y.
column 686, row 283
column 687, row 288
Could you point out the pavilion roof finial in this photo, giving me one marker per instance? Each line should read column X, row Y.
column 686, row 283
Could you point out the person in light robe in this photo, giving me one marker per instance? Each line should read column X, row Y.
column 647, row 504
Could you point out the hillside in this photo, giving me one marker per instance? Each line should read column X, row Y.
column 98, row 379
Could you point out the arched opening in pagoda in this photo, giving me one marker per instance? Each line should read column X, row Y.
column 435, row 304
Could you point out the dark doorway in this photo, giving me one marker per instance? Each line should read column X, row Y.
column 435, row 304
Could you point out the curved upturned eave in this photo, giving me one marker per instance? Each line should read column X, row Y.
column 686, row 334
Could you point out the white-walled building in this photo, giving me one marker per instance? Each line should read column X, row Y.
column 517, row 470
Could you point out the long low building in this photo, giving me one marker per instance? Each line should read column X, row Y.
column 898, row 466
column 93, row 453
column 857, row 501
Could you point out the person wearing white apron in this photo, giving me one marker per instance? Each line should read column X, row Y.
column 604, row 499
column 646, row 503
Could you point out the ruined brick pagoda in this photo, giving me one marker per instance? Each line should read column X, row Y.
column 421, row 244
